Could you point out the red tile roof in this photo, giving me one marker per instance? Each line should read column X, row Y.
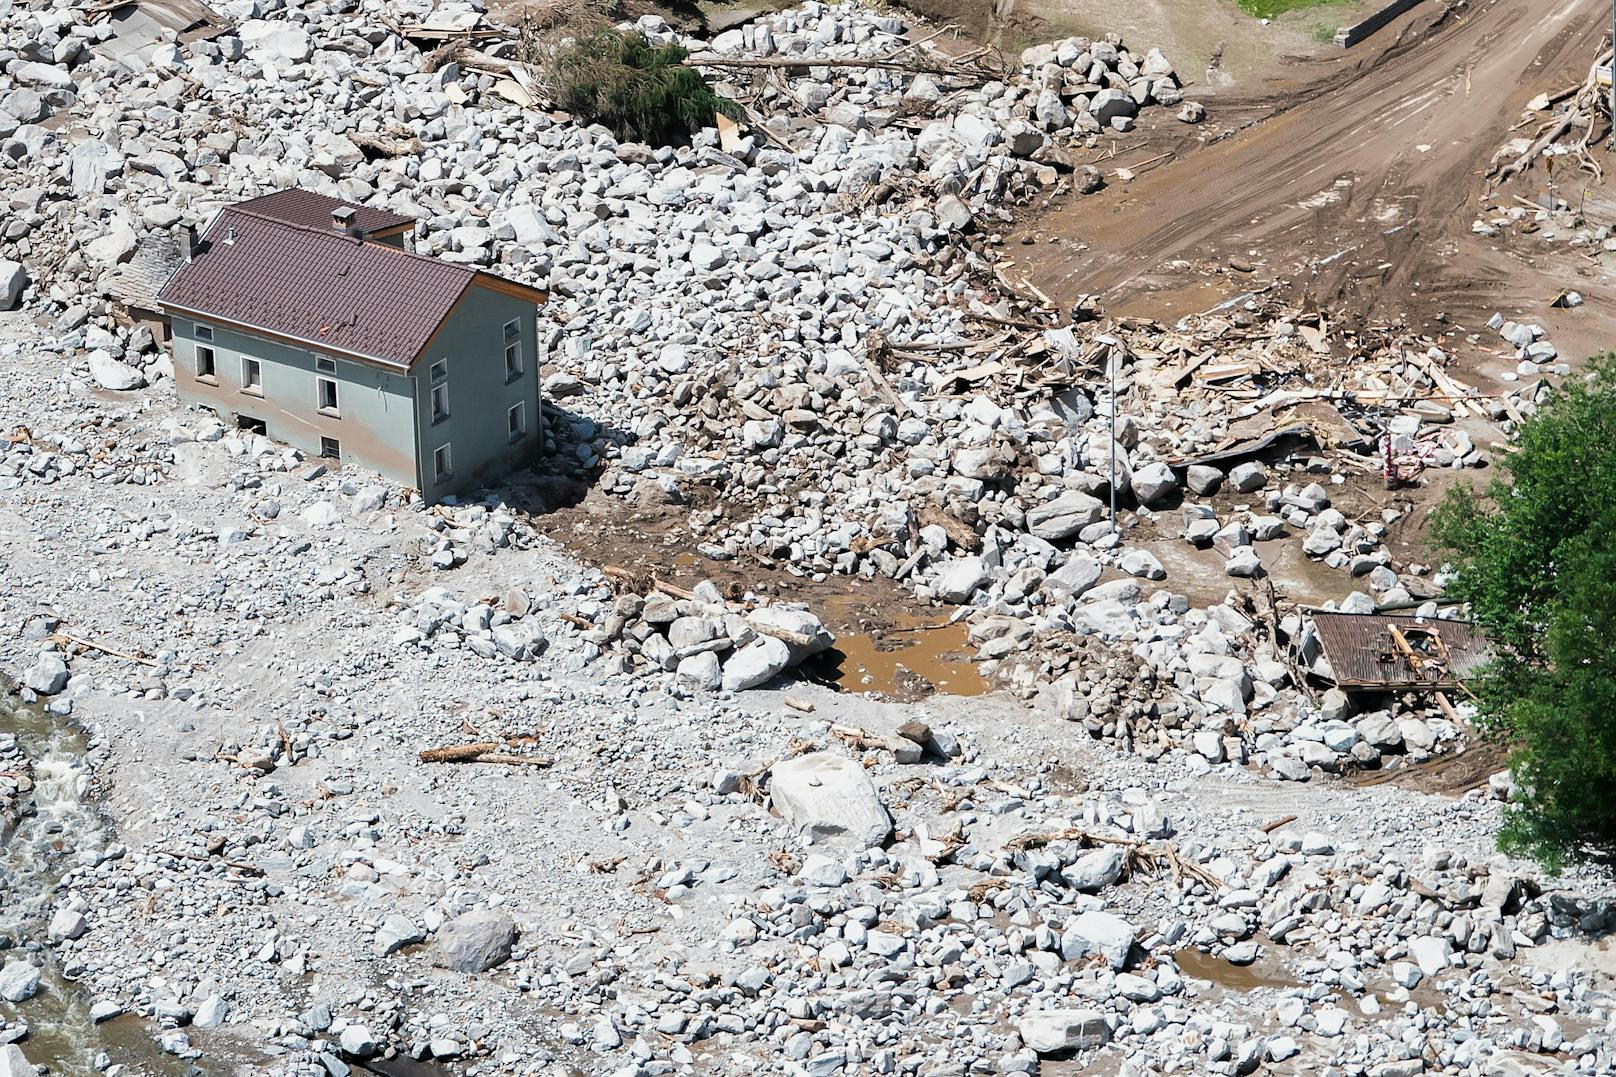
column 297, row 206
column 318, row 286
column 322, row 287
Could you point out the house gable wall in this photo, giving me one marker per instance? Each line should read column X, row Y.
column 375, row 424
column 472, row 344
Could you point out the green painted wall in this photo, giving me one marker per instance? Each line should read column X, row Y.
column 375, row 423
column 480, row 397
column 385, row 419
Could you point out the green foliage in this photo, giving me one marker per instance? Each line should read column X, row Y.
column 1536, row 560
column 641, row 91
column 1272, row 9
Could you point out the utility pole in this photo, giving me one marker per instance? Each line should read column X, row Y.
column 1111, row 355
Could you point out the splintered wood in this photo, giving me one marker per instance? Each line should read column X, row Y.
column 1157, row 856
column 482, row 752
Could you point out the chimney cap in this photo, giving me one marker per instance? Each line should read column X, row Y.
column 343, row 216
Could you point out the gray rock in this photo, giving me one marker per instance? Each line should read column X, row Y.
column 358, row 1042
column 47, row 676
column 829, row 797
column 1202, row 479
column 1096, row 932
column 279, row 42
column 521, row 640
column 1079, row 574
column 757, row 663
column 13, row 279
column 1248, row 477
column 1065, row 516
column 1243, row 563
column 19, row 981
column 1109, row 105
column 958, row 579
column 211, row 1012
column 13, row 1063
column 475, row 942
column 701, row 670
column 801, row 630
column 67, row 924
column 110, row 373
column 1142, row 563
column 1430, row 952
column 952, row 213
column 30, row 73
column 1053, row 1032
column 1094, row 870
column 1153, row 482
column 397, row 932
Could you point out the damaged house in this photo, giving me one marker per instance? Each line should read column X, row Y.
column 304, row 318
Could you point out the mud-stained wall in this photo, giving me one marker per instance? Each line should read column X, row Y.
column 480, row 395
column 373, row 423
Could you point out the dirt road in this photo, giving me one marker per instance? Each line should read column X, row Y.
column 1353, row 177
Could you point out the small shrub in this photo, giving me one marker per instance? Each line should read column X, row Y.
column 642, row 92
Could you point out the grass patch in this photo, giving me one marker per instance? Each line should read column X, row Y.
column 1272, row 9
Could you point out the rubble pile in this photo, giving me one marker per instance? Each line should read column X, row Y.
column 978, row 132
column 401, row 780
column 704, row 641
column 684, row 879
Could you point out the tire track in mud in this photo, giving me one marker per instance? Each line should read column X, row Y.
column 1355, row 176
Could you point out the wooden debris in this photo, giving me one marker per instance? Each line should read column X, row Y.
column 483, row 752
column 1157, row 855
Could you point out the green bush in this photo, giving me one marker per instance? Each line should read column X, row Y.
column 1536, row 560
column 642, row 92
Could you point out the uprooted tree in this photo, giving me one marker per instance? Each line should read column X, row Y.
column 642, row 92
column 1535, row 556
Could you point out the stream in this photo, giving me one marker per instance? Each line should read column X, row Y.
column 58, row 826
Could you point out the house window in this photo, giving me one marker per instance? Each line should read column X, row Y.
column 252, row 376
column 442, row 465
column 205, row 369
column 326, row 394
column 513, row 350
column 331, row 449
column 440, row 371
column 204, row 332
column 325, row 366
column 516, row 421
column 440, row 403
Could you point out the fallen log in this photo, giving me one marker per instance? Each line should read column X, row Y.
column 487, row 752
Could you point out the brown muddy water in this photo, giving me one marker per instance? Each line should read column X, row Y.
column 904, row 655
column 1240, row 978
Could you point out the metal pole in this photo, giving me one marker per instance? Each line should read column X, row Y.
column 1112, row 354
column 1612, row 74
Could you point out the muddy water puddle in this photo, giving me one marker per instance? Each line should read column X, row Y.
column 901, row 655
column 1203, row 966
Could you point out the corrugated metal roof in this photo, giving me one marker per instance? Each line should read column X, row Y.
column 319, row 286
column 1363, row 654
column 296, row 205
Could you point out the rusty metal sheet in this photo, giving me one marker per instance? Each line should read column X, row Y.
column 1363, row 654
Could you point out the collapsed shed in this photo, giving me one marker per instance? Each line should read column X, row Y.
column 1388, row 652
